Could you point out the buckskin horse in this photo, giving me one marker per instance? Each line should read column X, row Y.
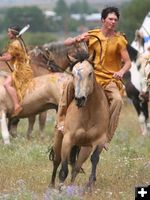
column 40, row 66
column 40, row 96
column 42, row 62
column 51, row 57
column 86, row 122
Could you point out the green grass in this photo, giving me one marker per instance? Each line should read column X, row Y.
column 25, row 169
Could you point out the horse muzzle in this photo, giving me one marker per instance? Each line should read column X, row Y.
column 80, row 102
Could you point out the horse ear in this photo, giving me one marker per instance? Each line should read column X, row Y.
column 92, row 56
column 83, row 46
column 71, row 58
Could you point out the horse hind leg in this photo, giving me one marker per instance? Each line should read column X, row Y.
column 42, row 122
column 73, row 155
column 82, row 157
column 56, row 157
column 31, row 121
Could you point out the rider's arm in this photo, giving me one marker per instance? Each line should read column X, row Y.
column 79, row 38
column 126, row 66
column 126, row 60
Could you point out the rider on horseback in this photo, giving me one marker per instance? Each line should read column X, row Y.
column 17, row 82
column 110, row 52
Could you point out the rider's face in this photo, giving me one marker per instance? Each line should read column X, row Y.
column 10, row 34
column 110, row 21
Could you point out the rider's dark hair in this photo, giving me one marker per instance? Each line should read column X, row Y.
column 108, row 10
column 15, row 29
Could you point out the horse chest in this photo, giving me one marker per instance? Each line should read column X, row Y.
column 89, row 120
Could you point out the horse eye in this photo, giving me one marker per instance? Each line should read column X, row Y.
column 90, row 74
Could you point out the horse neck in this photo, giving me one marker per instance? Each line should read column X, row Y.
column 60, row 54
column 38, row 70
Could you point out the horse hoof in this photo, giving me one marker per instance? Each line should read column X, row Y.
column 51, row 185
column 89, row 187
column 61, row 187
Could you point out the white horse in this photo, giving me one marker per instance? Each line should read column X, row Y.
column 136, row 86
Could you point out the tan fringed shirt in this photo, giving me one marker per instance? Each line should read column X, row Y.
column 109, row 60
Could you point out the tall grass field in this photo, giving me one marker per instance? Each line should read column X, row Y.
column 25, row 169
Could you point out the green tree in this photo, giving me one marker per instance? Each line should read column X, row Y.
column 25, row 15
column 31, row 39
column 62, row 10
column 133, row 15
column 82, row 7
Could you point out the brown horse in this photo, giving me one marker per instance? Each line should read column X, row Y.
column 86, row 122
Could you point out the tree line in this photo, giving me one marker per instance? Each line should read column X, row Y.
column 39, row 22
column 131, row 18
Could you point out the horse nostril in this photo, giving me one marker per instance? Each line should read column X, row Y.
column 80, row 101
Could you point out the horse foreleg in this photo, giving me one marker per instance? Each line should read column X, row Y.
column 31, row 121
column 56, row 155
column 42, row 122
column 146, row 116
column 4, row 128
column 82, row 157
column 94, row 161
column 143, row 124
column 65, row 153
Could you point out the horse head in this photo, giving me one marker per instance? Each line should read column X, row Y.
column 83, row 77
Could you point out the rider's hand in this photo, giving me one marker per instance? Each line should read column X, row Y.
column 118, row 75
column 79, row 38
column 82, row 37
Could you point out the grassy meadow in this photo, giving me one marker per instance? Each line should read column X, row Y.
column 25, row 169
